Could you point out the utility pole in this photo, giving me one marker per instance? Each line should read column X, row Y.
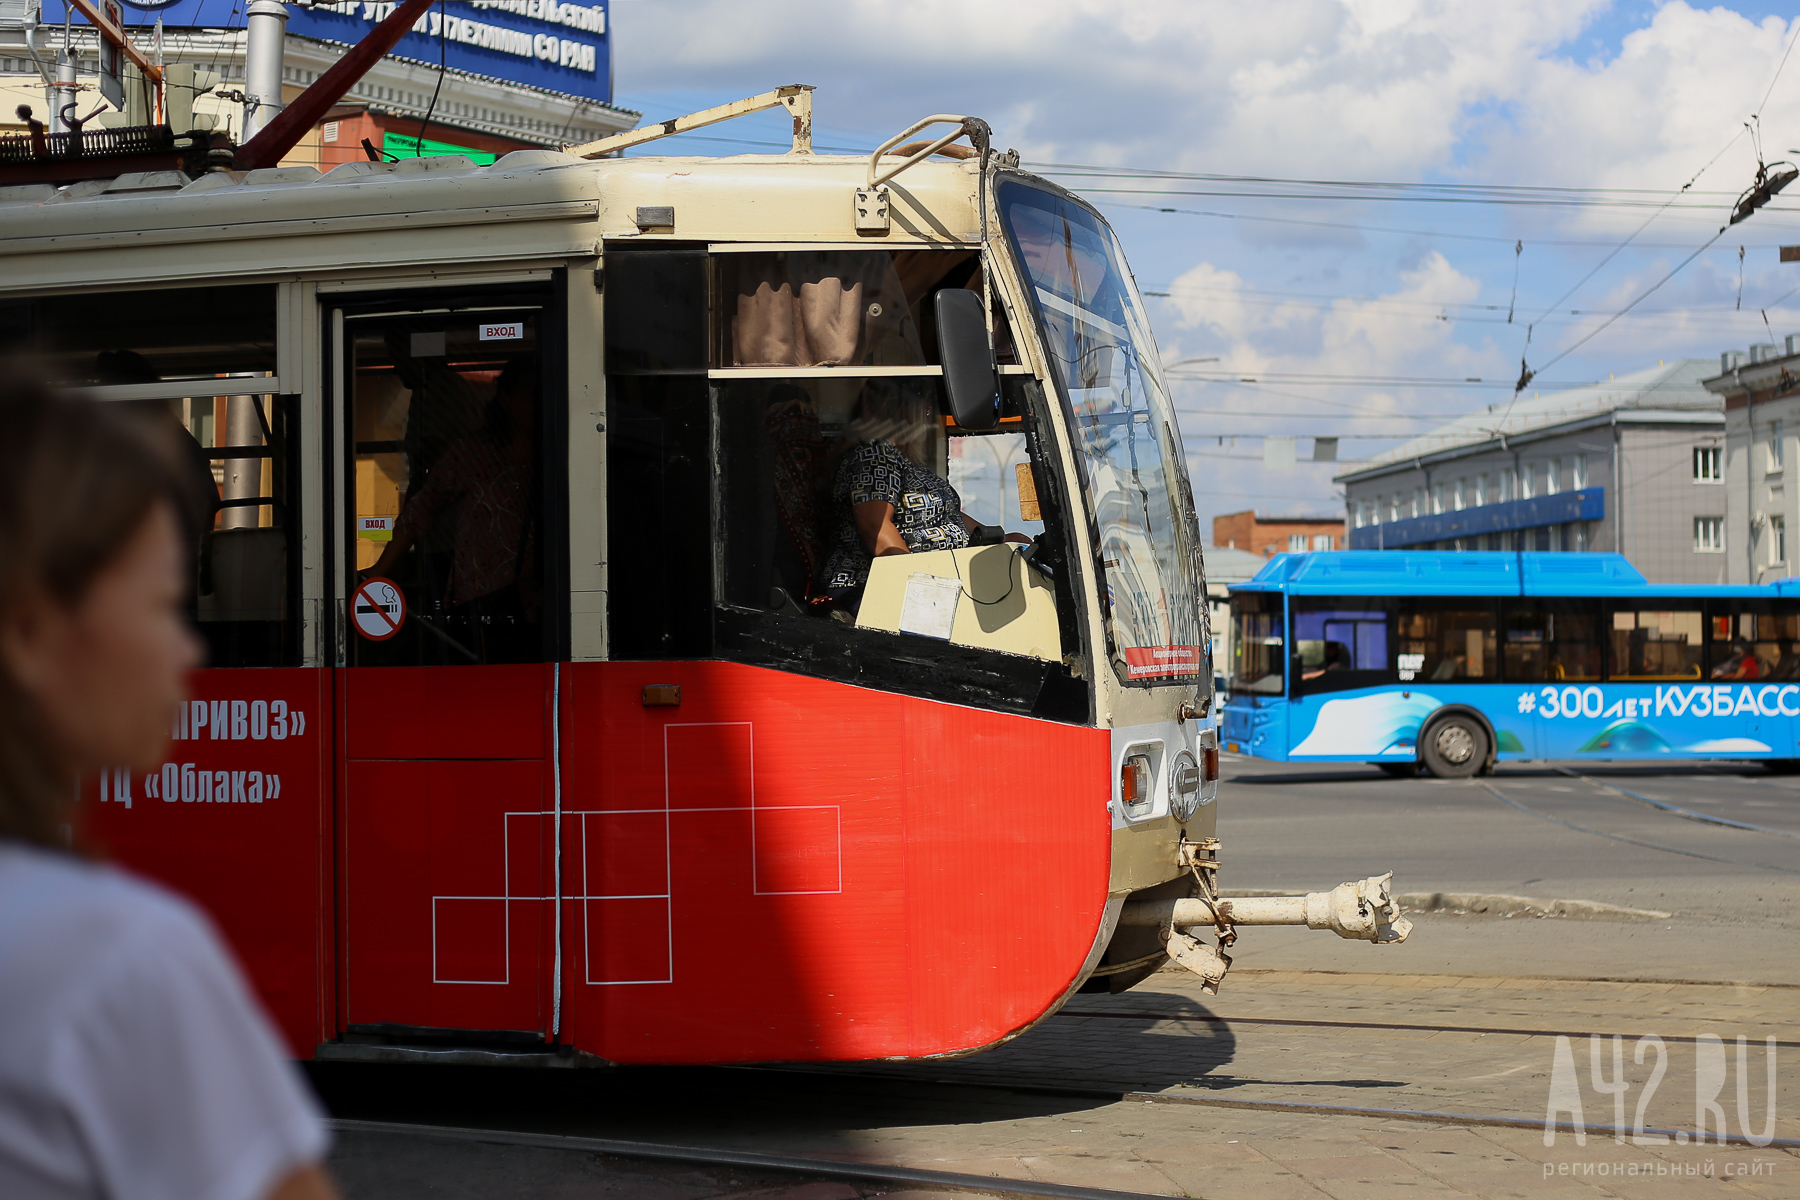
column 64, row 91
column 266, row 33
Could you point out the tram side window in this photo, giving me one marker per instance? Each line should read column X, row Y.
column 1448, row 644
column 146, row 336
column 1339, row 643
column 862, row 534
column 1257, row 655
column 245, row 572
column 840, row 308
column 1654, row 643
column 445, row 492
column 660, row 538
column 1552, row 641
column 1754, row 639
column 238, row 449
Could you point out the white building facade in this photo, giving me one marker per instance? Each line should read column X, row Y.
column 1632, row 465
column 1760, row 390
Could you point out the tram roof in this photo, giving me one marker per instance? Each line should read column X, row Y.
column 548, row 202
column 1478, row 573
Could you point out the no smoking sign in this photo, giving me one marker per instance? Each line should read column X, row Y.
column 378, row 608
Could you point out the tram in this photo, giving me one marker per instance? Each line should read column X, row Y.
column 532, row 729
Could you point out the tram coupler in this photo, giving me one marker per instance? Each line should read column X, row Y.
column 1363, row 911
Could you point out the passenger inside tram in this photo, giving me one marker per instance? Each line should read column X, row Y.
column 476, row 500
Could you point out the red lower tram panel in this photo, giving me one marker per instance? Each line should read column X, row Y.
column 777, row 868
column 240, row 820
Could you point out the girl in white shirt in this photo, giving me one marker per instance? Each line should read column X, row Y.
column 133, row 1060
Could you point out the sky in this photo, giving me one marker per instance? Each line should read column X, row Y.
column 1543, row 164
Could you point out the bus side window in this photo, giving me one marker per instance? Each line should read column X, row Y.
column 1753, row 639
column 1657, row 642
column 1551, row 641
column 1340, row 643
column 1446, row 642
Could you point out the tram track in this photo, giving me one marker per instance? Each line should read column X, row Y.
column 1127, row 1096
column 1397, row 1026
column 1677, row 810
column 994, row 1185
column 832, row 1168
column 1619, row 837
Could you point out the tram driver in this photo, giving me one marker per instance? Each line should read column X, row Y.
column 885, row 496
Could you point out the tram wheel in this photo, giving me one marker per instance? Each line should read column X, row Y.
column 1454, row 748
column 1399, row 770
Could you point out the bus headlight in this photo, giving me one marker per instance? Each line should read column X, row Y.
column 1184, row 787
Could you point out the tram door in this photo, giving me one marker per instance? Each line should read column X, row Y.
column 446, row 687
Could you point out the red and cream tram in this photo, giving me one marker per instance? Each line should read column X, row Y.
column 527, row 733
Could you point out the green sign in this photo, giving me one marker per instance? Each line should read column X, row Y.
column 399, row 145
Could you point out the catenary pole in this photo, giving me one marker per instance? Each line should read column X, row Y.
column 266, row 33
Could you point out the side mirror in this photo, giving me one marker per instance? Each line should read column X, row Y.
column 970, row 376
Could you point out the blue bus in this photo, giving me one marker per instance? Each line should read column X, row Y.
column 1451, row 662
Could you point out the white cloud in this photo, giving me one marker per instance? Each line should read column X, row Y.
column 1652, row 116
column 1403, row 331
column 1363, row 87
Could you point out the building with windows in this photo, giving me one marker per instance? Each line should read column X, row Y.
column 1268, row 536
column 1634, row 465
column 1761, row 393
column 479, row 78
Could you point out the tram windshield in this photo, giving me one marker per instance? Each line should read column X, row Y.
column 1103, row 358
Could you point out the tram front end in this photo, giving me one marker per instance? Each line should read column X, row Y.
column 577, row 708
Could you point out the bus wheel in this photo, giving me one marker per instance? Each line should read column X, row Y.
column 1782, row 766
column 1454, row 748
column 1399, row 770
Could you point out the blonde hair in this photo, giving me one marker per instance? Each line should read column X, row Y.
column 77, row 481
column 904, row 416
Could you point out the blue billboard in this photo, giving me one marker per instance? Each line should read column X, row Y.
column 560, row 47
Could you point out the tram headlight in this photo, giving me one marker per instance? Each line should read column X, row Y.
column 1194, row 782
column 1184, row 787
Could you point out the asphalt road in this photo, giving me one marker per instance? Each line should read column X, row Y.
column 1579, row 831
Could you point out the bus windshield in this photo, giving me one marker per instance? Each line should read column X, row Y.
column 1103, row 359
column 1257, row 657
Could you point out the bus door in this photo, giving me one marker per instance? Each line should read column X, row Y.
column 450, row 629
